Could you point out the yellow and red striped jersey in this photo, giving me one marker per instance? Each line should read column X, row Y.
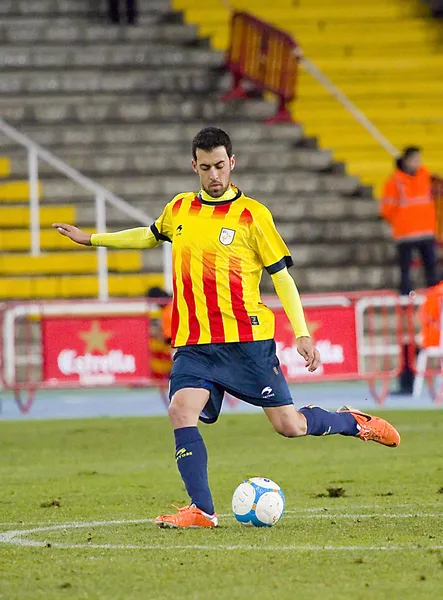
column 219, row 250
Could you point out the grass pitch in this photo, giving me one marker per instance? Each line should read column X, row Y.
column 77, row 497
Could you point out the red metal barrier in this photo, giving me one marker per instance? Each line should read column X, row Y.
column 437, row 194
column 265, row 56
column 361, row 336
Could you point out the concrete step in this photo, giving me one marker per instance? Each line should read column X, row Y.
column 300, row 207
column 152, row 134
column 345, row 254
column 92, row 81
column 324, row 207
column 253, row 184
column 47, row 8
column 17, row 154
column 158, row 108
column 367, row 231
column 79, row 33
column 43, row 7
column 10, row 20
column 339, row 278
column 152, row 161
column 109, row 56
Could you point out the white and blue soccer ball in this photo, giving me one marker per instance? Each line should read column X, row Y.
column 259, row 502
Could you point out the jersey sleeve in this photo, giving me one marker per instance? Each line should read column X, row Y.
column 269, row 245
column 162, row 227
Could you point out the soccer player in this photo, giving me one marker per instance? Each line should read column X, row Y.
column 221, row 242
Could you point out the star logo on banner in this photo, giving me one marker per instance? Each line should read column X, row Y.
column 96, row 338
column 312, row 327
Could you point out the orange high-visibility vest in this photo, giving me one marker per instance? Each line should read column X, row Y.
column 408, row 206
column 430, row 317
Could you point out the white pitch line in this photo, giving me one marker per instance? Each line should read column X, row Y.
column 18, row 538
column 359, row 516
column 327, row 511
column 157, row 547
column 318, row 512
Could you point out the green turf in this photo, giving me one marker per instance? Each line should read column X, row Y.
column 123, row 469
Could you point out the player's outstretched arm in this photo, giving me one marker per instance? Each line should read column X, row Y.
column 137, row 238
column 290, row 298
column 73, row 233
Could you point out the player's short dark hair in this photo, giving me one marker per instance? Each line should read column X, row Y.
column 410, row 150
column 210, row 138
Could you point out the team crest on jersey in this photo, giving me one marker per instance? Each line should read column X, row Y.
column 227, row 236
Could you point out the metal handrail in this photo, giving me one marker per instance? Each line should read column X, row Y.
column 340, row 96
column 102, row 195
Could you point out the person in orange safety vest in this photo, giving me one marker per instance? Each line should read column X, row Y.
column 430, row 317
column 408, row 207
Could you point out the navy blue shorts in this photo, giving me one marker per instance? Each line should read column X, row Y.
column 249, row 371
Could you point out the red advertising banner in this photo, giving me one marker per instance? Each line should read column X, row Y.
column 333, row 329
column 95, row 351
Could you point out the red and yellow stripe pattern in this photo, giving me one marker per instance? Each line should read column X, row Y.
column 219, row 252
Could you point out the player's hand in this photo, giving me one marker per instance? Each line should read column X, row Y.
column 305, row 347
column 73, row 233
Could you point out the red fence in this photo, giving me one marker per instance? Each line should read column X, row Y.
column 265, row 56
column 91, row 343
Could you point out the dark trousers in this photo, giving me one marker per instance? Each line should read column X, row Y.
column 131, row 10
column 427, row 250
column 428, row 253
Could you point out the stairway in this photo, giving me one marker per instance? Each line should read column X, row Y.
column 122, row 104
column 385, row 55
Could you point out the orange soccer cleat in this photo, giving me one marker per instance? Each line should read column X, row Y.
column 188, row 516
column 373, row 429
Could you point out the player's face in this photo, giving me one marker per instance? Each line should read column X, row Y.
column 214, row 169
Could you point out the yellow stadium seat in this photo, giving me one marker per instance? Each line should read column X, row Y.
column 63, row 270
column 50, row 239
column 16, row 191
column 65, row 262
column 18, row 216
column 5, row 166
column 75, row 286
column 385, row 55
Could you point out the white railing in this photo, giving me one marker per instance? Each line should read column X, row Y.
column 101, row 196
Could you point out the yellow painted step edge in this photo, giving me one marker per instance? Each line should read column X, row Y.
column 77, row 286
column 61, row 263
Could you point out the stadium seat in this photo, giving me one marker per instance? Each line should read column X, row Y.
column 55, row 274
column 122, row 105
column 385, row 55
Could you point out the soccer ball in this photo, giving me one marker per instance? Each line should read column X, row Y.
column 258, row 502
